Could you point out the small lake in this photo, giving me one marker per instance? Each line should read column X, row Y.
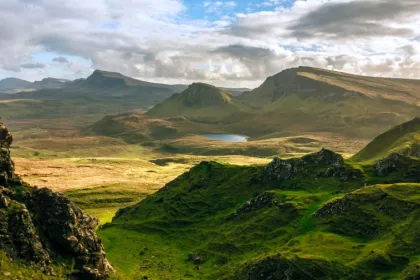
column 227, row 137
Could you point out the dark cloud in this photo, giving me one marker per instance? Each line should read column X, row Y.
column 60, row 59
column 32, row 65
column 244, row 52
column 356, row 19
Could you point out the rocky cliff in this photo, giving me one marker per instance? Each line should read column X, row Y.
column 40, row 227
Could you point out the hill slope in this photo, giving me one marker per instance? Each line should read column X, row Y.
column 43, row 231
column 307, row 218
column 403, row 139
column 199, row 102
column 314, row 99
column 102, row 92
column 12, row 84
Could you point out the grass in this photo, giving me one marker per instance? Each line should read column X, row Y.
column 104, row 201
column 17, row 270
column 204, row 212
column 403, row 139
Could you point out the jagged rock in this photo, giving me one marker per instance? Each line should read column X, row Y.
column 392, row 163
column 18, row 235
column 5, row 137
column 37, row 225
column 280, row 169
column 260, row 201
column 7, row 167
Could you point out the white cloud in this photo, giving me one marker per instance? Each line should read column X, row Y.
column 156, row 40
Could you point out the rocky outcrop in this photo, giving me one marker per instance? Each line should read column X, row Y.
column 259, row 202
column 326, row 162
column 279, row 267
column 38, row 225
column 397, row 163
column 7, row 167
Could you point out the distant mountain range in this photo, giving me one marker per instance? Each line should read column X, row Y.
column 14, row 85
column 104, row 80
column 296, row 100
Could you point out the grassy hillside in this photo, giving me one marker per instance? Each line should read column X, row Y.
column 100, row 94
column 311, row 99
column 138, row 128
column 308, row 218
column 200, row 102
column 403, row 139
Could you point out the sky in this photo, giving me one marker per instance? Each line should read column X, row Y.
column 233, row 43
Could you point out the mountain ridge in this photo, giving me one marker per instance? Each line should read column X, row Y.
column 199, row 101
column 402, row 139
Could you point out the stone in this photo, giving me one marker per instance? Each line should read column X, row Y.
column 37, row 224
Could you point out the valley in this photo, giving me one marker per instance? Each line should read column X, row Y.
column 183, row 180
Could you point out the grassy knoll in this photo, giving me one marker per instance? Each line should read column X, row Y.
column 311, row 217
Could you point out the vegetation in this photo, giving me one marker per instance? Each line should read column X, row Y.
column 403, row 139
column 18, row 270
column 233, row 222
column 200, row 102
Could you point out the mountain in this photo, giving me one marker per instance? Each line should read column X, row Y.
column 49, row 83
column 315, row 217
column 312, row 99
column 101, row 93
column 43, row 232
column 10, row 85
column 199, row 102
column 403, row 139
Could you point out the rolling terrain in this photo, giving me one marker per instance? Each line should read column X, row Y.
column 311, row 99
column 402, row 139
column 200, row 102
column 220, row 221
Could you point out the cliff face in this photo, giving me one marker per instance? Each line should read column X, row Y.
column 40, row 226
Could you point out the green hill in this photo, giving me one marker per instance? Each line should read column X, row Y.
column 311, row 99
column 403, row 139
column 101, row 93
column 317, row 217
column 12, row 84
column 200, row 102
column 138, row 128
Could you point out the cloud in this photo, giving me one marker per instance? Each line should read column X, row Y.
column 33, row 65
column 357, row 19
column 60, row 59
column 158, row 40
column 216, row 6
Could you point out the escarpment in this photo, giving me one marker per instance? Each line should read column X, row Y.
column 41, row 227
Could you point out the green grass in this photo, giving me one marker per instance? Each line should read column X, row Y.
column 17, row 270
column 239, row 221
column 403, row 139
column 104, row 201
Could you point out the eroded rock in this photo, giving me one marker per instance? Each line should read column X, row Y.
column 37, row 225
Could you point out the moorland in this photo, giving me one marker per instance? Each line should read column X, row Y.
column 174, row 204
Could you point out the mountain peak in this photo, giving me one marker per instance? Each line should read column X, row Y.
column 201, row 94
column 199, row 101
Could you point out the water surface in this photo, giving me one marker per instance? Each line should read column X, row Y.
column 235, row 138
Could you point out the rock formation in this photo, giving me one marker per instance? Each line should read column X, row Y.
column 330, row 164
column 38, row 225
